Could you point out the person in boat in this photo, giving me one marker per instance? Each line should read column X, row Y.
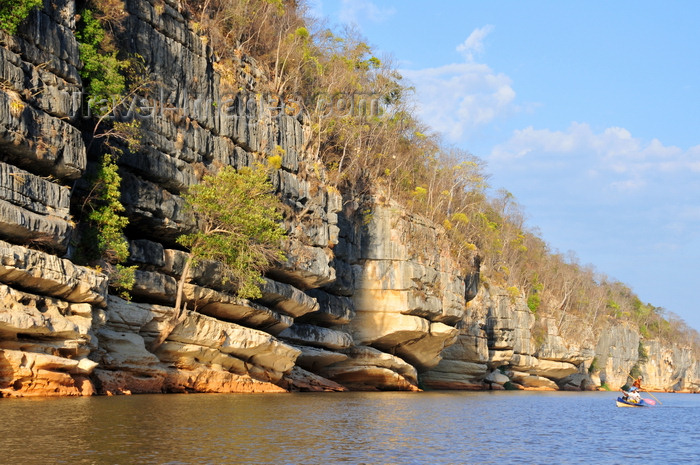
column 632, row 395
column 637, row 383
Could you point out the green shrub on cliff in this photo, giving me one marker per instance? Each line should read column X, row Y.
column 239, row 225
column 105, row 212
column 513, row 293
column 102, row 71
column 238, row 218
column 103, row 242
column 13, row 13
column 110, row 77
column 105, row 82
column 533, row 302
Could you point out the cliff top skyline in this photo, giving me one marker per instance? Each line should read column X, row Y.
column 584, row 111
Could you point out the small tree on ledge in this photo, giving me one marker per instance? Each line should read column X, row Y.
column 238, row 217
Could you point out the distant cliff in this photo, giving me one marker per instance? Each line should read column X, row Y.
column 370, row 297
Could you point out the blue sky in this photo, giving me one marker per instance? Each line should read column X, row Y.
column 587, row 111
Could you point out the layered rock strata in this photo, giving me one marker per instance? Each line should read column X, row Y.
column 499, row 348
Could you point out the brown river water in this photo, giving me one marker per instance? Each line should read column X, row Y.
column 352, row 428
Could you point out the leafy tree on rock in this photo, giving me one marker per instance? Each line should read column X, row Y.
column 238, row 219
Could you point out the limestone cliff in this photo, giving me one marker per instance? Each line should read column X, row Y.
column 369, row 298
column 499, row 348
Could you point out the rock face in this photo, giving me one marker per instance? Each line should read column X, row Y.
column 671, row 368
column 361, row 303
column 407, row 300
column 201, row 354
column 498, row 348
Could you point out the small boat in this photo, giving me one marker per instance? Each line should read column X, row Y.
column 620, row 402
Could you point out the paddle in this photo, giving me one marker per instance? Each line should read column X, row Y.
column 651, row 401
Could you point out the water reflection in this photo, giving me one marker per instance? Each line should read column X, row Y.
column 372, row 428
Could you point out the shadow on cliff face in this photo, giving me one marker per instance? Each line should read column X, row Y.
column 471, row 282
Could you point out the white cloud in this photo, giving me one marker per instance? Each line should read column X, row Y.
column 612, row 144
column 355, row 11
column 613, row 156
column 525, row 141
column 475, row 42
column 457, row 98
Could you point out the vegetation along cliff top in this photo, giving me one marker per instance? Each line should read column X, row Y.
column 397, row 154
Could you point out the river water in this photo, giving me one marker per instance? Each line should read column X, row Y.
column 353, row 428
